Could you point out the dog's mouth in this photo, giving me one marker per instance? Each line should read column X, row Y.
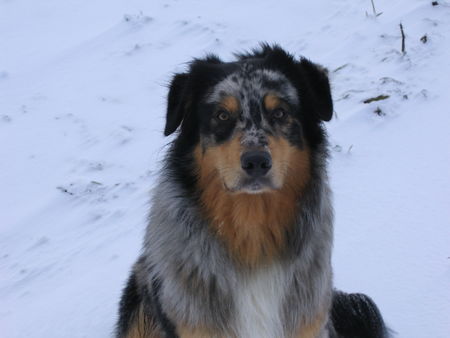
column 252, row 185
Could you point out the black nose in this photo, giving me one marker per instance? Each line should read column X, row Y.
column 256, row 163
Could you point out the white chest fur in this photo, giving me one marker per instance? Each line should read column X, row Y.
column 259, row 298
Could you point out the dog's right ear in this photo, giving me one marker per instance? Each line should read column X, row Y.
column 178, row 101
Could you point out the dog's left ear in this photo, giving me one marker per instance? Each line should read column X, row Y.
column 177, row 102
column 317, row 88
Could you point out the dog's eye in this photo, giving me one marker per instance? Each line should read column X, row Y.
column 223, row 115
column 279, row 113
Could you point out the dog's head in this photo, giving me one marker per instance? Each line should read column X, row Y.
column 251, row 124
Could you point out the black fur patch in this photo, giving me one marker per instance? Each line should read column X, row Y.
column 355, row 315
column 128, row 307
column 154, row 306
column 135, row 295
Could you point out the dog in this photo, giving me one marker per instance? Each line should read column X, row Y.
column 240, row 230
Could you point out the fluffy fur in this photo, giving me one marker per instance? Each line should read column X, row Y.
column 241, row 226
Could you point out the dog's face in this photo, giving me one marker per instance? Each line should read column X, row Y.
column 248, row 120
column 250, row 135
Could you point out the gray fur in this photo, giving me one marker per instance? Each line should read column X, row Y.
column 249, row 79
column 200, row 279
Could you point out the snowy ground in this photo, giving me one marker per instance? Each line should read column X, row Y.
column 82, row 101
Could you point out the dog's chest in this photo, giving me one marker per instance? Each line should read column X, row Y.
column 259, row 299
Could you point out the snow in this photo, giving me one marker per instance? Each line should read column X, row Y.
column 82, row 104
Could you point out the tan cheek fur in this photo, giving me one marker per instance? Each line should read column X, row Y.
column 253, row 226
column 313, row 329
column 290, row 165
column 185, row 332
column 220, row 165
column 142, row 327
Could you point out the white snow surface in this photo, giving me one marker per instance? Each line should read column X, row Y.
column 82, row 103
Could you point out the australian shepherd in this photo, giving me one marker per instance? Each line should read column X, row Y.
column 240, row 230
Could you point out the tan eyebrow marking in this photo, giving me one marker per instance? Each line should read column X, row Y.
column 271, row 101
column 231, row 104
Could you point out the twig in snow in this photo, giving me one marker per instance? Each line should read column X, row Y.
column 375, row 14
column 340, row 68
column 374, row 10
column 379, row 112
column 403, row 39
column 377, row 98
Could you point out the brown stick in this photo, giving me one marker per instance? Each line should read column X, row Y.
column 403, row 39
